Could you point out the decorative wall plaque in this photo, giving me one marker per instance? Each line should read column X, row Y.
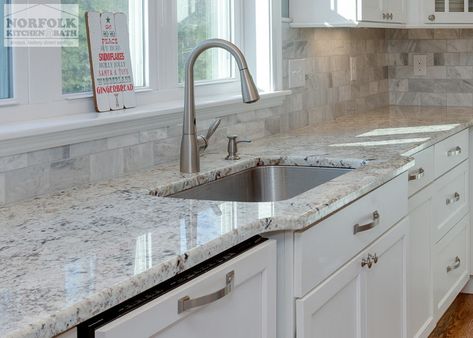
column 110, row 63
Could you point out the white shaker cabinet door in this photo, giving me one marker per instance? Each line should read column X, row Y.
column 249, row 310
column 370, row 10
column 336, row 308
column 361, row 300
column 386, row 286
column 420, row 284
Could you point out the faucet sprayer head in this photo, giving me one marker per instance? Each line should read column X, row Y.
column 248, row 88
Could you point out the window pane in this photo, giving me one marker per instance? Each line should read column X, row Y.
column 457, row 5
column 440, row 5
column 75, row 60
column 5, row 63
column 199, row 20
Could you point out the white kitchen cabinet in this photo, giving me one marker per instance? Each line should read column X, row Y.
column 420, row 305
column 447, row 11
column 365, row 298
column 248, row 310
column 347, row 13
column 381, row 11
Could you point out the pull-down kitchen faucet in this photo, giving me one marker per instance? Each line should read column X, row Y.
column 190, row 153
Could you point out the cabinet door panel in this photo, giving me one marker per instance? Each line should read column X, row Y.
column 370, row 10
column 397, row 9
column 420, row 309
column 371, row 301
column 447, row 11
column 318, row 314
column 386, row 294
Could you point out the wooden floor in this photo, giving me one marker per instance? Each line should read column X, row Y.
column 457, row 321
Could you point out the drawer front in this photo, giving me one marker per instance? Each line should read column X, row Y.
column 423, row 171
column 450, row 266
column 214, row 304
column 450, row 201
column 451, row 152
column 322, row 249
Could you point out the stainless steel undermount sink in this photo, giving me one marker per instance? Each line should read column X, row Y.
column 263, row 184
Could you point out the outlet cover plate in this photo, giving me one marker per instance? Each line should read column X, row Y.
column 420, row 65
column 297, row 73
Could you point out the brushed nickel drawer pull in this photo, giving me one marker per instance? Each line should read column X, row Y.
column 455, row 265
column 418, row 174
column 453, row 199
column 186, row 303
column 360, row 228
column 454, row 152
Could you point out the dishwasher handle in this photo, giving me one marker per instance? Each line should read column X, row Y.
column 186, row 303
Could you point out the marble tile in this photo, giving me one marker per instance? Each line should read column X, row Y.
column 2, row 189
column 123, row 141
column 48, row 155
column 29, row 181
column 138, row 157
column 13, row 162
column 459, row 100
column 87, row 148
column 107, row 165
column 153, row 135
column 69, row 173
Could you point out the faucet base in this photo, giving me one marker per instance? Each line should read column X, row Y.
column 190, row 162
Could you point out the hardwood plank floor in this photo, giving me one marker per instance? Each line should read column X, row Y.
column 457, row 322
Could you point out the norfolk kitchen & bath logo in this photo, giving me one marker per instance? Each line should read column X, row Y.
column 41, row 25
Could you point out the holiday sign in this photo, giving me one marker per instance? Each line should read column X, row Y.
column 110, row 63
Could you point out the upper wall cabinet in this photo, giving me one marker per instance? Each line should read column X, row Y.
column 448, row 11
column 347, row 13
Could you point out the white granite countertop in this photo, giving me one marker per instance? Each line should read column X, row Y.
column 69, row 256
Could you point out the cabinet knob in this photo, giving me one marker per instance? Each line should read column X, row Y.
column 366, row 262
column 374, row 258
column 385, row 16
column 391, row 16
column 431, row 17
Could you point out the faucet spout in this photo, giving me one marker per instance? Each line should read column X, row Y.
column 190, row 158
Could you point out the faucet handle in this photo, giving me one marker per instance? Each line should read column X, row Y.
column 212, row 128
column 203, row 141
column 233, row 147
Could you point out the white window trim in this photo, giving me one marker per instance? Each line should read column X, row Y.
column 160, row 104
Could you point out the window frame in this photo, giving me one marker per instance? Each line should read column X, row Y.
column 37, row 90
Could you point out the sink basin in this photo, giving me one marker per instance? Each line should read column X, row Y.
column 263, row 184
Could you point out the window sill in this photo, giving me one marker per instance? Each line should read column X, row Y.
column 16, row 138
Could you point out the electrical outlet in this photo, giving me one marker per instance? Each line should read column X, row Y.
column 296, row 73
column 353, row 70
column 420, row 65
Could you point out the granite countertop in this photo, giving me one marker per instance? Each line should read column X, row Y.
column 71, row 255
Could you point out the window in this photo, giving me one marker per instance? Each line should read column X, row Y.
column 55, row 82
column 75, row 61
column 199, row 20
column 5, row 64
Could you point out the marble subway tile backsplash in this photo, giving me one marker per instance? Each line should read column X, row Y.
column 449, row 79
column 331, row 88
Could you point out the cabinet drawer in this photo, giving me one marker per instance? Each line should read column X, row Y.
column 450, row 201
column 450, row 266
column 325, row 247
column 451, row 152
column 423, row 171
column 209, row 309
